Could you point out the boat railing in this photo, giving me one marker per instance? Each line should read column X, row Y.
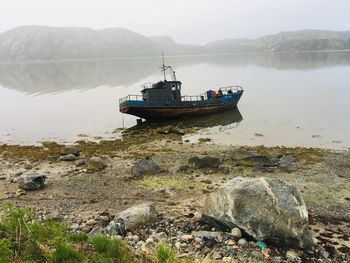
column 147, row 85
column 232, row 88
column 193, row 98
column 131, row 97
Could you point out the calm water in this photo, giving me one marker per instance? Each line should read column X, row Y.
column 290, row 99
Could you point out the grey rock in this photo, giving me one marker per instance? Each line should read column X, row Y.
column 187, row 238
column 243, row 242
column 68, row 157
column 70, row 150
column 31, row 181
column 80, row 162
column 91, row 222
column 292, row 255
column 104, row 219
column 287, row 167
column 182, row 168
column 257, row 255
column 216, row 256
column 178, row 245
column 75, row 227
column 145, row 167
column 133, row 217
column 203, row 162
column 140, row 243
column 95, row 164
column 241, row 153
column 135, row 238
column 95, row 231
column 236, row 233
column 265, row 208
column 287, row 164
column 160, row 237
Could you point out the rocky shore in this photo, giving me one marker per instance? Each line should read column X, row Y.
column 97, row 187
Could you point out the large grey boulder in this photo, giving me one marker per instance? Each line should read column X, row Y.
column 132, row 218
column 265, row 208
column 145, row 167
column 31, row 181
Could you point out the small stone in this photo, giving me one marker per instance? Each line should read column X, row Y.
column 95, row 164
column 91, row 222
column 28, row 166
column 204, row 139
column 227, row 259
column 242, row 242
column 118, row 237
column 149, row 240
column 292, row 255
column 178, row 245
column 145, row 167
column 187, row 238
column 198, row 239
column 236, row 233
column 140, row 243
column 161, row 236
column 95, row 231
column 20, row 192
column 135, row 238
column 231, row 242
column 80, row 162
column 68, row 157
column 184, row 245
column 104, row 219
column 257, row 255
column 216, row 256
column 182, row 168
column 67, row 150
column 75, row 227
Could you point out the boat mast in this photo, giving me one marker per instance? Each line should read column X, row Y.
column 164, row 68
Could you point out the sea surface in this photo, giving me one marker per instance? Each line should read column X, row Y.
column 300, row 99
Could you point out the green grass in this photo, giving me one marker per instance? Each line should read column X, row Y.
column 112, row 249
column 25, row 239
column 64, row 254
column 5, row 249
column 165, row 254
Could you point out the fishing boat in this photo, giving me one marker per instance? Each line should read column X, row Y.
column 163, row 100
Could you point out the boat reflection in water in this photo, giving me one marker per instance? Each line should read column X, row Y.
column 224, row 120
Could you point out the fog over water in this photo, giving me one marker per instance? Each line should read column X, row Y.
column 195, row 21
column 291, row 99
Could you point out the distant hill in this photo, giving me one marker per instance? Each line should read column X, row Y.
column 303, row 40
column 48, row 43
column 42, row 43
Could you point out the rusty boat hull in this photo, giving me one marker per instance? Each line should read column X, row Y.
column 184, row 108
column 168, row 112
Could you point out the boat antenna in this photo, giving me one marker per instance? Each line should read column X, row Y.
column 163, row 67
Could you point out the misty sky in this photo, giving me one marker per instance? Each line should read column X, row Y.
column 187, row 21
